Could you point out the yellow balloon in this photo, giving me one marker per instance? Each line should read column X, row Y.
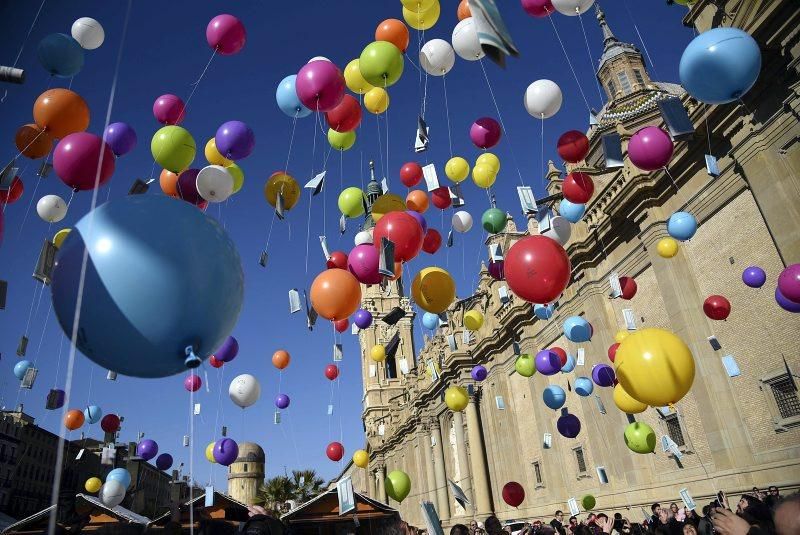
column 355, row 82
column 93, row 484
column 655, row 367
column 667, row 247
column 433, row 289
column 418, row 5
column 210, row 453
column 213, row 156
column 487, row 158
column 483, row 175
column 422, row 20
column 456, row 398
column 237, row 174
column 620, row 335
column 626, row 403
column 284, row 184
column 388, row 202
column 457, row 169
column 377, row 353
column 60, row 236
column 361, row 458
column 473, row 320
column 376, row 100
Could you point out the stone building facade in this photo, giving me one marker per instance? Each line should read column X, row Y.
column 733, row 432
column 246, row 473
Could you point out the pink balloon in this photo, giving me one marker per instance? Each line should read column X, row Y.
column 363, row 263
column 76, row 160
column 538, row 8
column 650, row 149
column 485, row 133
column 168, row 109
column 320, row 85
column 226, row 34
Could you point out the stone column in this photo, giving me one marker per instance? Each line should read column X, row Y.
column 427, row 460
column 480, row 473
column 442, row 500
column 463, row 459
column 380, row 474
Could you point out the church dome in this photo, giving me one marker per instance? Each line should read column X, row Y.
column 250, row 452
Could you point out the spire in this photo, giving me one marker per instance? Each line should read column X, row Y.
column 609, row 38
column 373, row 188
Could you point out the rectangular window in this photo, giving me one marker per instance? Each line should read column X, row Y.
column 580, row 460
column 245, row 467
column 674, row 429
column 624, row 82
column 391, row 368
column 785, row 394
column 612, row 89
column 638, row 75
column 537, row 471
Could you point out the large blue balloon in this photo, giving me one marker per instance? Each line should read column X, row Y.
column 577, row 329
column 161, row 276
column 572, row 212
column 554, row 396
column 720, row 65
column 682, row 226
column 287, row 100
column 121, row 475
column 20, row 368
column 60, row 55
column 584, row 386
column 430, row 320
column 93, row 413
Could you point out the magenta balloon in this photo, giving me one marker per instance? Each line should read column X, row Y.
column 226, row 34
column 538, row 8
column 168, row 109
column 650, row 149
column 485, row 133
column 187, row 186
column 320, row 85
column 76, row 159
column 789, row 283
column 363, row 261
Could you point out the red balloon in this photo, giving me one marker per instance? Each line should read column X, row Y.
column 410, row 174
column 440, row 197
column 537, row 269
column 513, row 493
column 401, row 229
column 110, row 423
column 12, row 194
column 573, row 146
column 338, row 260
column 717, row 307
column 331, row 371
column 76, row 158
column 346, row 116
column 341, row 325
column 432, row 241
column 612, row 352
column 562, row 355
column 215, row 362
column 578, row 188
column 335, row 451
column 629, row 287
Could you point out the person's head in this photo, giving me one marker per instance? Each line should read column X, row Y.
column 663, row 516
column 745, row 501
column 559, row 515
column 459, row 529
column 655, row 508
column 773, row 491
column 706, row 510
column 617, row 516
column 787, row 516
column 601, row 519
column 473, row 525
column 689, row 529
column 673, row 507
column 591, row 518
column 573, row 520
column 493, row 526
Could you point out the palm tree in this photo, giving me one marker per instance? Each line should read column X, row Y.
column 275, row 492
column 306, row 485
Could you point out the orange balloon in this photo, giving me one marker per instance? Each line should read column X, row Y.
column 61, row 112
column 417, row 200
column 281, row 359
column 463, row 10
column 169, row 183
column 74, row 419
column 398, row 271
column 335, row 294
column 32, row 141
column 394, row 31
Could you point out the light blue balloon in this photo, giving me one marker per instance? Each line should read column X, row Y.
column 20, row 368
column 570, row 365
column 572, row 212
column 287, row 99
column 93, row 413
column 554, row 397
column 682, row 226
column 121, row 475
column 60, row 55
column 544, row 312
column 720, row 65
column 161, row 276
column 430, row 320
column 584, row 386
column 577, row 329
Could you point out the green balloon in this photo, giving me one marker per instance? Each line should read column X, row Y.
column 494, row 220
column 640, row 437
column 351, row 202
column 173, row 148
column 381, row 64
column 341, row 140
column 238, row 176
column 588, row 502
column 398, row 485
column 525, row 365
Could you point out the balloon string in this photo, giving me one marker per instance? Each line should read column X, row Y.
column 20, row 153
column 195, row 85
column 308, row 229
column 91, row 380
column 380, row 146
column 313, row 159
column 447, row 113
column 36, row 286
column 541, row 158
column 294, row 440
column 191, row 460
column 386, row 115
column 58, row 364
column 41, row 338
column 569, row 62
column 27, row 35
column 641, row 39
column 591, row 60
column 269, row 234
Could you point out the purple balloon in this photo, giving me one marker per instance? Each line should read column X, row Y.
column 548, row 362
column 282, row 401
column 603, row 375
column 228, row 350
column 789, row 283
column 362, row 318
column 147, row 449
column 568, row 425
column 650, row 149
column 320, row 85
column 226, row 450
column 496, row 270
column 187, row 186
column 164, row 461
column 58, row 398
column 121, row 137
column 168, row 109
column 363, row 262
column 479, row 373
column 754, row 277
column 485, row 133
column 235, row 140
column 787, row 305
column 420, row 219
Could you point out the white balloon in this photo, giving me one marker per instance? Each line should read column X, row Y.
column 88, row 32
column 573, row 8
column 462, row 221
column 560, row 230
column 319, row 58
column 543, row 99
column 111, row 493
column 244, row 390
column 51, row 208
column 365, row 236
column 465, row 40
column 437, row 57
column 214, row 183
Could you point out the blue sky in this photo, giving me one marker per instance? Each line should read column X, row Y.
column 165, row 52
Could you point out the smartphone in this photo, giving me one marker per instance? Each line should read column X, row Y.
column 722, row 499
